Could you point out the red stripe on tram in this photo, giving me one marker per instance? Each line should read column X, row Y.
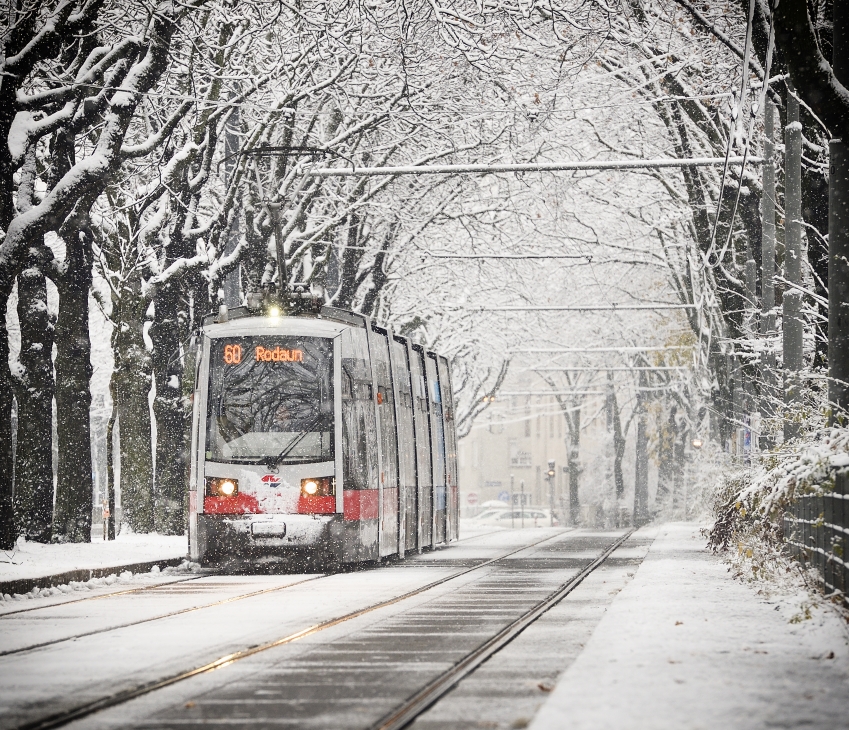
column 361, row 504
column 241, row 504
column 308, row 505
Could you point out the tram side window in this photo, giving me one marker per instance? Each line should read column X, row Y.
column 359, row 435
column 401, row 375
column 448, row 417
column 385, row 408
column 436, row 416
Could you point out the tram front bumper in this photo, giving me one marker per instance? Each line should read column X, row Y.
column 223, row 535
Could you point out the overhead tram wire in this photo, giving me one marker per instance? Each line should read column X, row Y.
column 507, row 393
column 214, row 104
column 603, row 369
column 491, row 168
column 625, row 349
column 580, row 308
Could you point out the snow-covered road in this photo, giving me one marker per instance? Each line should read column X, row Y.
column 658, row 636
column 89, row 649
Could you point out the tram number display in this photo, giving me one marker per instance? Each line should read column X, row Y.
column 233, row 354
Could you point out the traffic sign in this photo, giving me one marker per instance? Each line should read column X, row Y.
column 472, row 498
column 504, row 496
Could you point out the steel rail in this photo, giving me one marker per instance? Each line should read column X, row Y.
column 161, row 616
column 64, row 717
column 164, row 615
column 105, row 595
column 427, row 697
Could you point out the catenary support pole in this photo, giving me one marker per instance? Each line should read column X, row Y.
column 767, row 325
column 792, row 300
column 838, row 233
column 641, row 466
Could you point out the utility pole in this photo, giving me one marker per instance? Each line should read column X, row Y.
column 512, row 501
column 792, row 300
column 522, row 487
column 838, row 233
column 768, row 265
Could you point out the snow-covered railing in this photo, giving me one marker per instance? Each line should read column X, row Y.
column 816, row 529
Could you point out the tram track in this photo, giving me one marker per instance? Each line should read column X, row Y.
column 179, row 612
column 86, row 709
column 74, row 637
column 445, row 682
column 140, row 589
column 111, row 594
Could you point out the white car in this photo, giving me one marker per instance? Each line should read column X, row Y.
column 529, row 517
column 488, row 514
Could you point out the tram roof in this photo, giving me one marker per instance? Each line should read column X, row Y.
column 326, row 322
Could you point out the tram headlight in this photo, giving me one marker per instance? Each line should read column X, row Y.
column 221, row 487
column 318, row 487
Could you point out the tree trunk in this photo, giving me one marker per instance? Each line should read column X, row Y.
column 618, row 449
column 170, row 411
column 8, row 534
column 74, row 489
column 665, row 458
column 110, row 461
column 679, row 507
column 793, row 324
column 838, row 236
column 350, row 265
column 34, row 393
column 132, row 379
column 574, row 466
column 641, row 471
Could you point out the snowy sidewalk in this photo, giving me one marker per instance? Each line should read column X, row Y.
column 32, row 564
column 686, row 646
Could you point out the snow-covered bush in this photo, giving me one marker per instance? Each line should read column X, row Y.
column 750, row 503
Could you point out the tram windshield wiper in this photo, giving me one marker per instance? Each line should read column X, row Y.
column 301, row 435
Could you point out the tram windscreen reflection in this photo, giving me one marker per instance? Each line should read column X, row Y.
column 270, row 400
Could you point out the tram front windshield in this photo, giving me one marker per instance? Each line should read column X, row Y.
column 270, row 400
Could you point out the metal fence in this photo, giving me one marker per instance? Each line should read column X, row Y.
column 816, row 529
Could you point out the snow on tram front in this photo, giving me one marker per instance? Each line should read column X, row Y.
column 321, row 435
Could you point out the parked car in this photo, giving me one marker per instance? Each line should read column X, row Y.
column 529, row 516
column 488, row 514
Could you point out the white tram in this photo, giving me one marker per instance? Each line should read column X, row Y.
column 319, row 434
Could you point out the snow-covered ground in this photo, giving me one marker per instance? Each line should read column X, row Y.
column 33, row 560
column 128, row 639
column 684, row 646
column 669, row 640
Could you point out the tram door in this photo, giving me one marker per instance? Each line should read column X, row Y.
column 437, row 429
column 406, row 441
column 385, row 401
column 421, row 422
column 359, row 447
column 451, row 469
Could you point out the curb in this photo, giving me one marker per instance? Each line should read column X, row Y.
column 25, row 585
